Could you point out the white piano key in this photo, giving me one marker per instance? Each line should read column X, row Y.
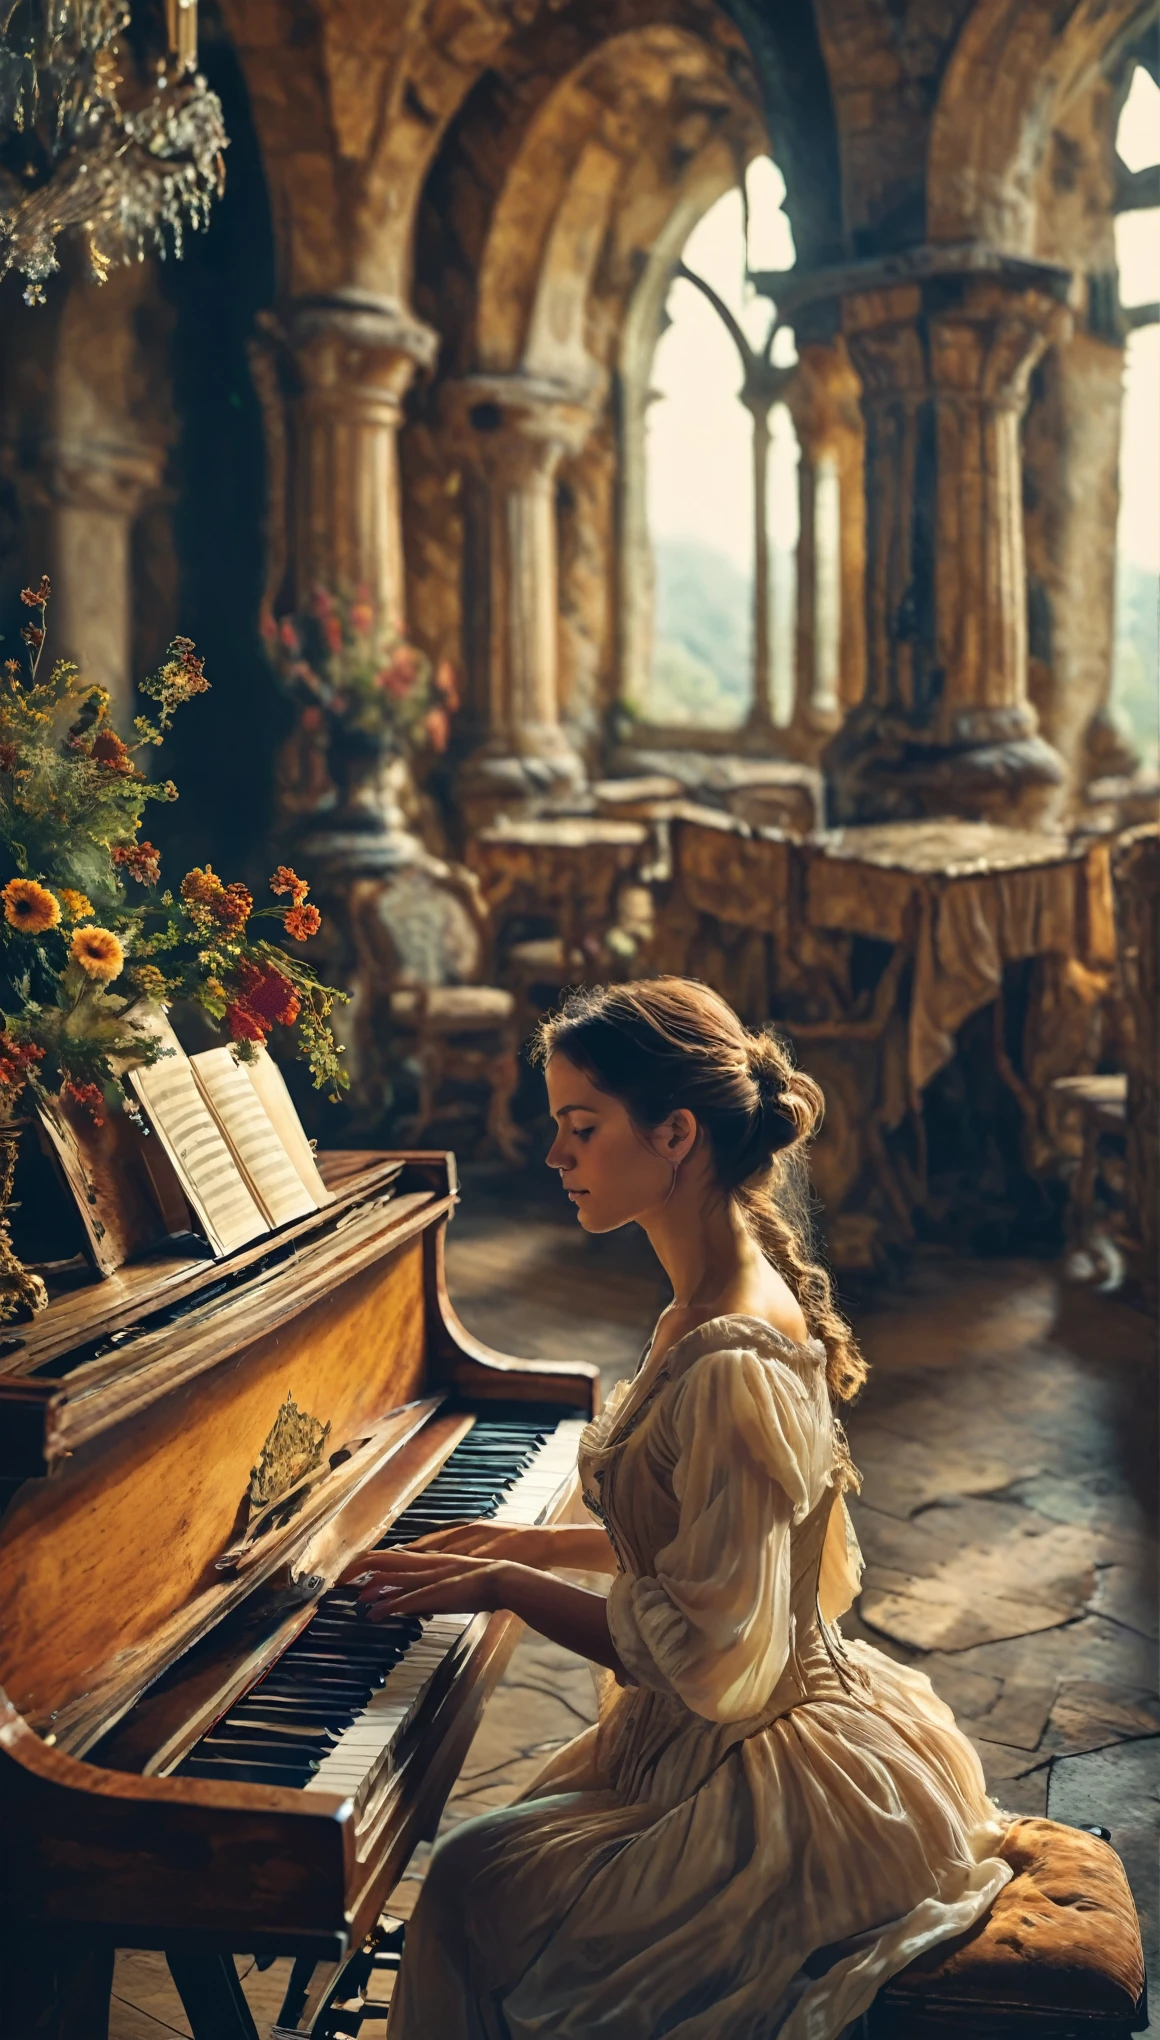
column 381, row 1722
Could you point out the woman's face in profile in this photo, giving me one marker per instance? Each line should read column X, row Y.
column 612, row 1172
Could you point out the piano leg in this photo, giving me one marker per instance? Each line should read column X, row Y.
column 215, row 2003
column 54, row 1987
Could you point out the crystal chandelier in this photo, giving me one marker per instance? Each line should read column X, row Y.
column 101, row 135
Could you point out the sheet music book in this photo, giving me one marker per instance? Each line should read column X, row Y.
column 195, row 1144
column 270, row 1085
column 257, row 1146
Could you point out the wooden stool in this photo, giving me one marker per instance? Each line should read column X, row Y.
column 1058, row 1956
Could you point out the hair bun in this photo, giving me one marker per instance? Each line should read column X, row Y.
column 790, row 1102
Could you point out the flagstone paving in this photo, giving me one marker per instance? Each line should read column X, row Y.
column 1007, row 1438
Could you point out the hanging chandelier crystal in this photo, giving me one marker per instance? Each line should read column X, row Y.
column 101, row 135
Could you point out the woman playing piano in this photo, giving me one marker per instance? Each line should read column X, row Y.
column 767, row 1822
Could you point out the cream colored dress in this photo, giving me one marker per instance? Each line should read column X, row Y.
column 768, row 1822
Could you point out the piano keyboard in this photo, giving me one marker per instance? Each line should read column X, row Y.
column 329, row 1712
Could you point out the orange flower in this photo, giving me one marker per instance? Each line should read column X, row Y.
column 286, row 880
column 77, row 905
column 302, row 922
column 140, row 860
column 99, row 953
column 201, row 888
column 209, row 901
column 108, row 750
column 29, row 907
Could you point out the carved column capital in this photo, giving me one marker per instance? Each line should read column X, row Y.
column 514, row 428
column 332, row 372
column 112, row 477
column 355, row 350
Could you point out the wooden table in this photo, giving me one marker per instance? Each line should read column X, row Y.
column 774, row 923
column 567, row 869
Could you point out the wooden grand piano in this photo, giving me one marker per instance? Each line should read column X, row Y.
column 201, row 1749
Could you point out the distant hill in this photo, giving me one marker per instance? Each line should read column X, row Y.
column 1135, row 698
column 702, row 636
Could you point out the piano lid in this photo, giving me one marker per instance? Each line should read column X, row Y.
column 101, row 1353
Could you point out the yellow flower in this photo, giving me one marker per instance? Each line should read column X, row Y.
column 98, row 952
column 149, row 981
column 29, row 907
column 77, row 905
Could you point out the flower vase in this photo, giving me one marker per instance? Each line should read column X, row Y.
column 21, row 1292
column 367, row 828
column 355, row 759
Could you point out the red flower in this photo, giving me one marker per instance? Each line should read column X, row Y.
column 302, row 922
column 289, row 635
column 242, row 1023
column 8, row 757
column 271, row 998
column 89, row 1097
column 17, row 1061
column 35, row 598
column 108, row 750
column 140, row 860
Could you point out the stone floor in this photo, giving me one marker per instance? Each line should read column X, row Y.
column 1008, row 1439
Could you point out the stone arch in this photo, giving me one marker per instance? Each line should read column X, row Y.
column 553, row 216
column 351, row 105
column 1010, row 75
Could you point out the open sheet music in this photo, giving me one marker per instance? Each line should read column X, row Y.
column 258, row 1148
column 197, row 1147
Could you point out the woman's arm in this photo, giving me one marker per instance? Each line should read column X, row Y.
column 411, row 1582
column 573, row 1547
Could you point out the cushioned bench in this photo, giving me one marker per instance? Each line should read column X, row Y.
column 1058, row 1956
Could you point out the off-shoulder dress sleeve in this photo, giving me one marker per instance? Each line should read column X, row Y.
column 713, row 1624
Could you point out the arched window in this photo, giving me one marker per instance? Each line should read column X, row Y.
column 1134, row 697
column 720, row 486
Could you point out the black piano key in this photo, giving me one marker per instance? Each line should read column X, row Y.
column 296, row 1776
column 281, row 1735
column 255, row 1750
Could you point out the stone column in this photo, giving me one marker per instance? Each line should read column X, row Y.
column 511, row 433
column 90, row 492
column 946, row 726
column 831, row 563
column 1071, row 464
column 333, row 411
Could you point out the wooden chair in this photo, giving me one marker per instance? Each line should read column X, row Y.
column 422, row 938
column 1057, row 1957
